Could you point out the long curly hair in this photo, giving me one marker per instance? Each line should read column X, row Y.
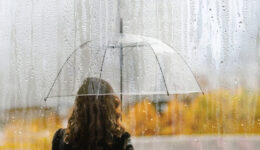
column 95, row 117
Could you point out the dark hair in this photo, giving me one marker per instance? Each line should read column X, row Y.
column 95, row 116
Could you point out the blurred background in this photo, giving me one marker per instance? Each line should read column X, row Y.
column 219, row 40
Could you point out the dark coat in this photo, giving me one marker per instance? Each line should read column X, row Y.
column 122, row 143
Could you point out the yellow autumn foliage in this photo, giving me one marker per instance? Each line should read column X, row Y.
column 216, row 112
column 30, row 133
column 176, row 119
column 142, row 119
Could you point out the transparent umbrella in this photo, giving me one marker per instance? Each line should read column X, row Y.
column 132, row 64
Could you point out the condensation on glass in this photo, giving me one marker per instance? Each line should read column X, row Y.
column 218, row 42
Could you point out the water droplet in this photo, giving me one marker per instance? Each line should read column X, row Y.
column 236, row 82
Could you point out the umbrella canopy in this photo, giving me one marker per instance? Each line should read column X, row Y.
column 132, row 64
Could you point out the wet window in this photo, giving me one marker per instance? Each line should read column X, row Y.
column 176, row 74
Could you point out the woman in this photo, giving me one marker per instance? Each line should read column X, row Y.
column 94, row 122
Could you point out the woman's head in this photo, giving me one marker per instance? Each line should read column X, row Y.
column 95, row 116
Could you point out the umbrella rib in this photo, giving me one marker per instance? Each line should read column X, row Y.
column 188, row 67
column 83, row 44
column 101, row 69
column 160, row 70
column 148, row 93
column 103, row 60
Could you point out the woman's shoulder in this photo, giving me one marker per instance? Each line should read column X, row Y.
column 58, row 135
column 127, row 141
column 120, row 142
column 57, row 138
column 124, row 141
column 58, row 142
column 59, row 132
